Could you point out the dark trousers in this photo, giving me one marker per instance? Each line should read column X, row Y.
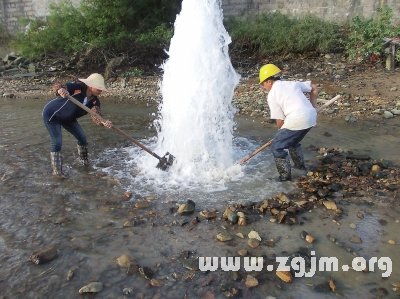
column 286, row 139
column 54, row 128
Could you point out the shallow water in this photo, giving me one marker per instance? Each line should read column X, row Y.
column 84, row 215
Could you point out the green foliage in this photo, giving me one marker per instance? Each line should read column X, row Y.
column 133, row 72
column 159, row 35
column 275, row 33
column 99, row 24
column 366, row 35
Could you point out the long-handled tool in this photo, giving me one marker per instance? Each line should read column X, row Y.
column 263, row 147
column 164, row 162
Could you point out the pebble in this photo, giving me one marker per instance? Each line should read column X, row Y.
column 392, row 242
column 125, row 261
column 395, row 111
column 251, row 281
column 155, row 282
column 355, row 239
column 240, row 235
column 208, row 214
column 388, row 114
column 330, row 205
column 253, row 243
column 224, row 237
column 187, row 208
column 285, row 276
column 8, row 95
column 127, row 291
column 310, row 239
column 353, row 226
column 254, row 235
column 93, row 287
column 243, row 252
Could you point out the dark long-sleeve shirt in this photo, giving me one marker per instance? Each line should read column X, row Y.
column 63, row 110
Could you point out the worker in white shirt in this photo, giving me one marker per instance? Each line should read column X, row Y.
column 294, row 113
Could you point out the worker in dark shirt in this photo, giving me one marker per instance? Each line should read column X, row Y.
column 60, row 112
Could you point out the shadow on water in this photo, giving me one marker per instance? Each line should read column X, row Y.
column 86, row 216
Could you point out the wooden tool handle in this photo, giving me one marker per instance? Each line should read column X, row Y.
column 116, row 129
column 261, row 148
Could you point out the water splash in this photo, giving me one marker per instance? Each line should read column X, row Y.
column 196, row 115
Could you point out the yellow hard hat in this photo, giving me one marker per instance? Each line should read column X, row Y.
column 268, row 71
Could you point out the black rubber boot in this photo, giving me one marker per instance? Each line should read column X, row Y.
column 83, row 154
column 56, row 164
column 296, row 153
column 284, row 169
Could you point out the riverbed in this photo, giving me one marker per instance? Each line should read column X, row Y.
column 86, row 216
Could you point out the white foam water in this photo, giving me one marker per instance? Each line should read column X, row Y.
column 195, row 121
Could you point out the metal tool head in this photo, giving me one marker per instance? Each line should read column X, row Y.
column 166, row 162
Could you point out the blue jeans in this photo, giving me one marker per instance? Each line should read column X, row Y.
column 54, row 128
column 285, row 139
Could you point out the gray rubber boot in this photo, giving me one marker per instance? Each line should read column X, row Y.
column 83, row 154
column 284, row 169
column 296, row 153
column 56, row 164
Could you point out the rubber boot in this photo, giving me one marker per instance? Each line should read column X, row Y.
column 296, row 153
column 83, row 154
column 56, row 164
column 284, row 169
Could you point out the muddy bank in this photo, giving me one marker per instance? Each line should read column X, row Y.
column 369, row 91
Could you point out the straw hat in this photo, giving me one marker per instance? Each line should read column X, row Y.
column 96, row 81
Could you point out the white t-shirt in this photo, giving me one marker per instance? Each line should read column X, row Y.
column 287, row 101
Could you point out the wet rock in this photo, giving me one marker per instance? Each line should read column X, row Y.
column 230, row 215
column 240, row 235
column 285, row 276
column 379, row 292
column 310, row 239
column 303, row 234
column 156, row 282
column 282, row 198
column 332, row 285
column 93, row 287
column 187, row 208
column 355, row 239
column 208, row 295
column 254, row 235
column 8, row 95
column 142, row 204
column 251, row 281
column 388, row 114
column 128, row 291
column 253, row 243
column 71, row 273
column 375, row 169
column 330, row 205
column 209, row 215
column 350, row 118
column 224, row 237
column 125, row 261
column 44, row 255
column 127, row 195
column 146, row 272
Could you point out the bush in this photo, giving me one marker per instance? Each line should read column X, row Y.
column 275, row 33
column 98, row 24
column 366, row 35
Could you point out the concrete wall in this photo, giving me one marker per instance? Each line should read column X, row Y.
column 13, row 10
column 335, row 10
